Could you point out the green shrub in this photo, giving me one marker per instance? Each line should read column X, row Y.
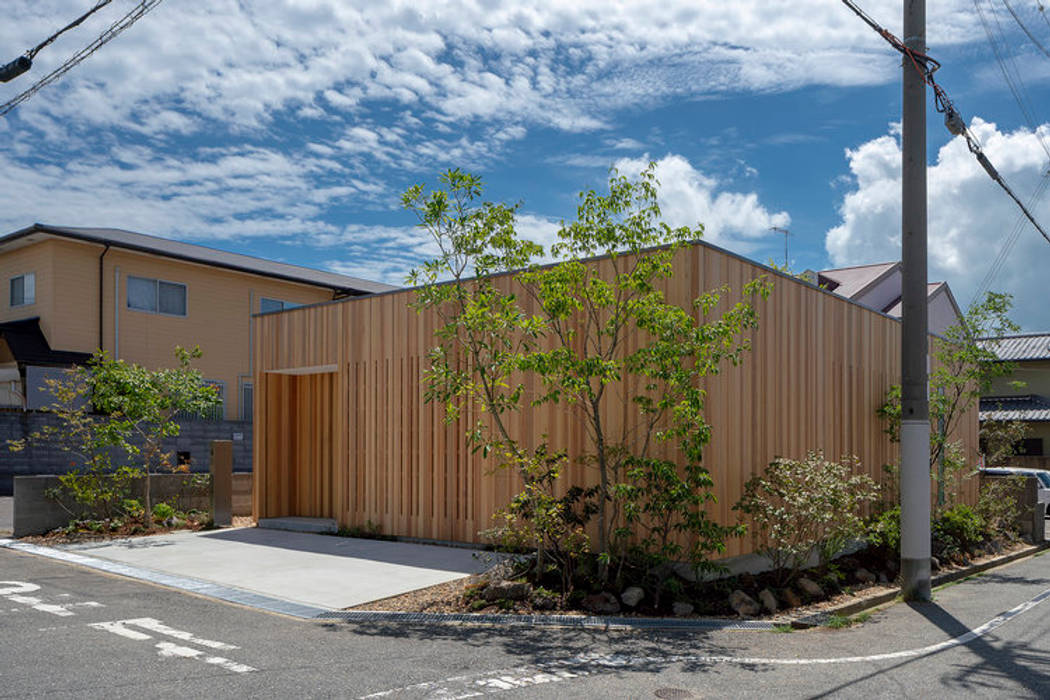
column 959, row 529
column 802, row 506
column 163, row 511
column 884, row 530
column 999, row 506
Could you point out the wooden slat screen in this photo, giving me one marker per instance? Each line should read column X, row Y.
column 360, row 444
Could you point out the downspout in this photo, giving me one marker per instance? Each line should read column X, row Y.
column 116, row 313
column 100, row 306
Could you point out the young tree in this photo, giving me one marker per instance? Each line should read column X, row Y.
column 576, row 349
column 134, row 409
column 963, row 370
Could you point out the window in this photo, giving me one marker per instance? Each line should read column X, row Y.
column 23, row 289
column 267, row 305
column 156, row 296
column 246, row 400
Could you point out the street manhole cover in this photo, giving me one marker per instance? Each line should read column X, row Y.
column 673, row 694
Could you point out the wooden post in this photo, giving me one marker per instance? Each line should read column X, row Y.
column 222, row 482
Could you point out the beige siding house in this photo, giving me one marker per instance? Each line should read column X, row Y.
column 1028, row 401
column 69, row 291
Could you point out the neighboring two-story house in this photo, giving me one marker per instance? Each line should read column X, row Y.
column 878, row 287
column 69, row 291
column 1029, row 402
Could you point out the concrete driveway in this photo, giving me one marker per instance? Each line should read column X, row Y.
column 316, row 570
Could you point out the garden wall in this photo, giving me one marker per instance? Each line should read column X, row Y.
column 35, row 513
column 195, row 439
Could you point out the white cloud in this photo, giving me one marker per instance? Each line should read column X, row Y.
column 549, row 63
column 969, row 215
column 735, row 220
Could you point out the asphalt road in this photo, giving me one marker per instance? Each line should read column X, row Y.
column 70, row 632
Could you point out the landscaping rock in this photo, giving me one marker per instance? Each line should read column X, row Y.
column 864, row 576
column 935, row 564
column 743, row 604
column 791, row 598
column 508, row 590
column 544, row 600
column 632, row 596
column 681, row 609
column 892, row 566
column 603, row 603
column 810, row 588
column 883, row 578
column 768, row 600
column 685, row 571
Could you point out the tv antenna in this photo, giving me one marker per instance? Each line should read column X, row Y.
column 786, row 234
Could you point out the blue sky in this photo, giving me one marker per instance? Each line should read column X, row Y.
column 288, row 128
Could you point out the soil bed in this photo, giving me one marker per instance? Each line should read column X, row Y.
column 709, row 600
column 127, row 530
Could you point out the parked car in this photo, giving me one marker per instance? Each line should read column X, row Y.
column 1042, row 475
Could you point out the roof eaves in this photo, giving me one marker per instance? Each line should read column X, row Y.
column 344, row 290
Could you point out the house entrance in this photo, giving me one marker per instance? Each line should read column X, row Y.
column 299, row 438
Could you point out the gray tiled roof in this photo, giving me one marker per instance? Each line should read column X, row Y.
column 1027, row 408
column 1013, row 348
column 850, row 281
column 208, row 256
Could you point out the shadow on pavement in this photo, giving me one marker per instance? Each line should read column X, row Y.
column 997, row 668
column 648, row 651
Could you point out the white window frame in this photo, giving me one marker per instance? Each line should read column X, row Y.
column 156, row 291
column 28, row 290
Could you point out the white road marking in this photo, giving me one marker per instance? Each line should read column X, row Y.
column 13, row 591
column 9, row 587
column 119, row 628
column 148, row 623
column 473, row 685
column 38, row 604
column 170, row 649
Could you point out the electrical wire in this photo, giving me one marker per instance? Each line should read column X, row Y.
column 1009, row 241
column 1025, row 29
column 31, row 53
column 1011, row 73
column 953, row 121
column 1042, row 11
column 114, row 29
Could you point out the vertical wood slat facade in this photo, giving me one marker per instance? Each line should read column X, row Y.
column 342, row 431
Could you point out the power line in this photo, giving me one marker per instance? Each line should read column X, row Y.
column 23, row 63
column 1011, row 74
column 953, row 121
column 1009, row 241
column 31, row 53
column 1025, row 29
column 114, row 29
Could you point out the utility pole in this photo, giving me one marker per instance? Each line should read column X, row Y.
column 915, row 404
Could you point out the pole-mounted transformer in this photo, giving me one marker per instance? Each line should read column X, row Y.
column 15, row 68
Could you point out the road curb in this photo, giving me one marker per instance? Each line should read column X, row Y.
column 854, row 607
column 207, row 589
column 307, row 612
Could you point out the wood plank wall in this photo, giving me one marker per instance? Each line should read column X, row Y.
column 360, row 444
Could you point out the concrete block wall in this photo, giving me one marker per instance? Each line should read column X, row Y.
column 39, row 459
column 35, row 513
